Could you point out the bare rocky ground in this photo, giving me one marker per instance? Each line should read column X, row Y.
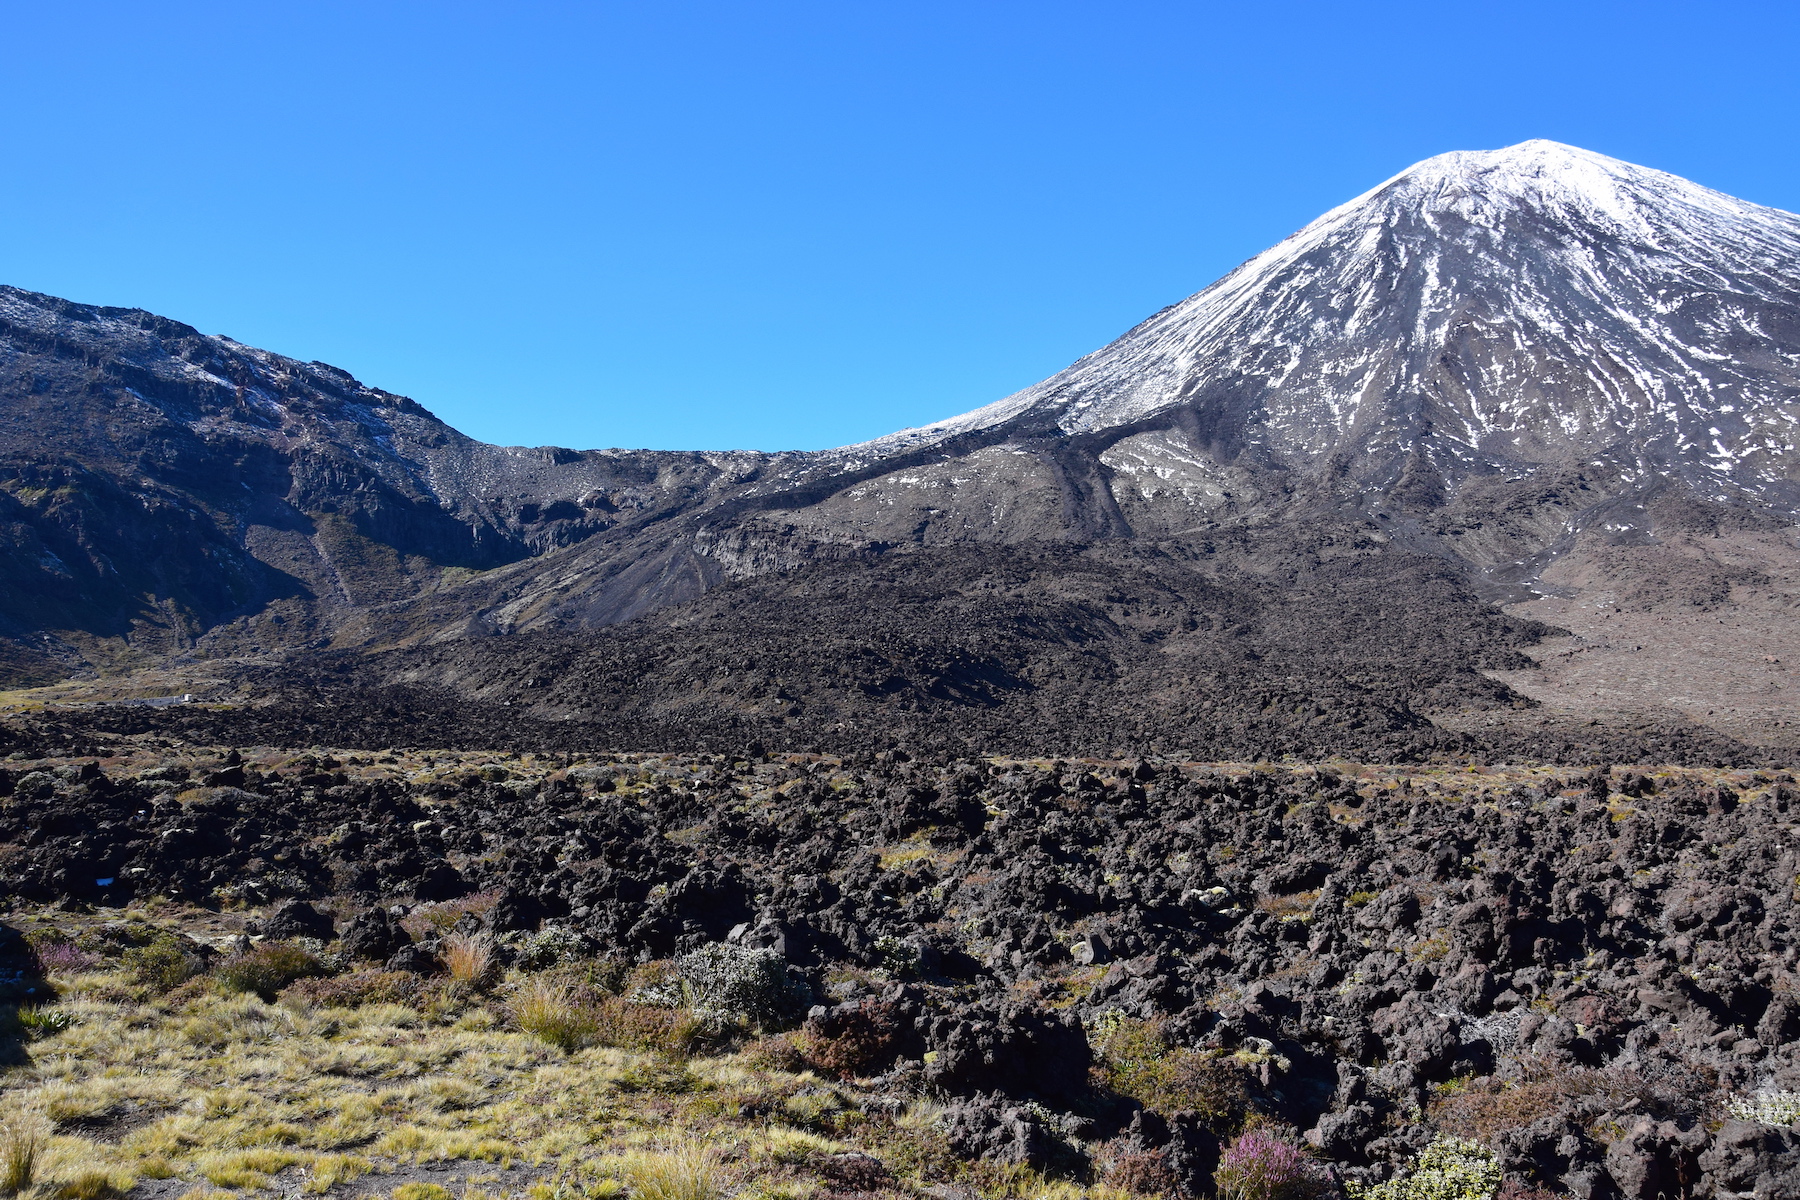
column 1699, row 628
column 1011, row 976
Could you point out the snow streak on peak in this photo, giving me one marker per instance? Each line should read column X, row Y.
column 1522, row 304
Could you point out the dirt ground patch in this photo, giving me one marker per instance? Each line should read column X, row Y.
column 1701, row 630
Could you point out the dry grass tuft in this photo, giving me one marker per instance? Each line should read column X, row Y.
column 19, row 1150
column 469, row 958
column 687, row 1172
column 421, row 1191
column 89, row 1185
column 556, row 1013
column 1296, row 905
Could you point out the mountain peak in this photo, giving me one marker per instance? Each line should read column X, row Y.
column 1497, row 308
column 1565, row 183
column 1537, row 159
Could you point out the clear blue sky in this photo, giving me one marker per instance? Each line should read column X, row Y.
column 784, row 224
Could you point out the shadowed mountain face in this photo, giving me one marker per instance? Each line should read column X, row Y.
column 1492, row 366
column 161, row 488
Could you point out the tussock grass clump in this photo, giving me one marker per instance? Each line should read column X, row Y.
column 556, row 1012
column 421, row 1191
column 688, row 1171
column 468, row 958
column 20, row 1147
column 266, row 969
column 89, row 1185
column 247, row 1168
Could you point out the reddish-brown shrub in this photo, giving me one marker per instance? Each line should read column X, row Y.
column 358, row 988
column 852, row 1041
column 778, row 1052
column 1512, row 1189
column 1487, row 1107
column 1139, row 1171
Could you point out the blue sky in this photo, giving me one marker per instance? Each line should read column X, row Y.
column 782, row 224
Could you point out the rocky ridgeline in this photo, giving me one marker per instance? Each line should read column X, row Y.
column 1595, row 973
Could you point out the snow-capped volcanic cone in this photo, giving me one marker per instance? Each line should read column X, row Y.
column 1495, row 307
column 1534, row 374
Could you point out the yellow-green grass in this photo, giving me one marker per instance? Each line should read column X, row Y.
column 226, row 1093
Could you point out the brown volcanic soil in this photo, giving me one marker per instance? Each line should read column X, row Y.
column 1694, row 629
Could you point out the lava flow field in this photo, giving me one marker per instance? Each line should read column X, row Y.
column 969, row 975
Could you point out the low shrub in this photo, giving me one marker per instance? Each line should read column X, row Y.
column 852, row 1042
column 1134, row 1059
column 632, row 1026
column 57, row 955
column 899, row 956
column 1514, row 1189
column 1260, row 1166
column 1768, row 1108
column 726, row 984
column 1296, row 905
column 265, row 969
column 357, row 989
column 164, row 963
column 1487, row 1107
column 551, row 947
column 66, row 958
column 1451, row 1168
column 777, row 1052
column 432, row 920
column 1139, row 1171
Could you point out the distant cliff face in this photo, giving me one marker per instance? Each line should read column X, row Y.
column 1492, row 362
